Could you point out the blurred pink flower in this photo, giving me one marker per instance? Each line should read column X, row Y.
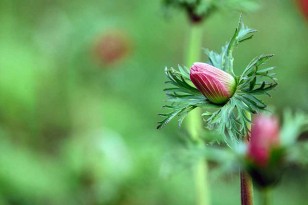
column 303, row 4
column 215, row 84
column 112, row 46
column 264, row 137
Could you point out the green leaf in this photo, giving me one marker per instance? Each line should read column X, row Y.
column 256, row 80
column 175, row 113
column 182, row 96
column 224, row 60
column 293, row 125
column 214, row 58
column 254, row 64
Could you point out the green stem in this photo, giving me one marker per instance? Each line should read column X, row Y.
column 202, row 189
column 195, row 41
column 194, row 54
column 194, row 121
column 266, row 199
column 246, row 182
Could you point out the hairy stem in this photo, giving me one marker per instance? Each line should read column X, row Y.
column 194, row 122
column 246, row 183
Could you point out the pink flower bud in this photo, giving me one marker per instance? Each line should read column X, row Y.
column 303, row 4
column 215, row 84
column 264, row 137
column 111, row 47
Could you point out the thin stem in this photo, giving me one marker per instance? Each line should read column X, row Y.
column 246, row 183
column 202, row 189
column 246, row 189
column 194, row 123
column 266, row 197
column 193, row 54
column 195, row 41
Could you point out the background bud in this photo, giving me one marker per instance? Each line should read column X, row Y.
column 265, row 155
column 112, row 47
column 216, row 85
column 264, row 137
column 303, row 5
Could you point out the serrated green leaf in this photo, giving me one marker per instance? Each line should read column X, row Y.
column 252, row 83
column 255, row 63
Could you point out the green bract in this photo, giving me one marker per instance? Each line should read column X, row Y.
column 231, row 119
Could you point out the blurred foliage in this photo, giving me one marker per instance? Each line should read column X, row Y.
column 198, row 10
column 77, row 130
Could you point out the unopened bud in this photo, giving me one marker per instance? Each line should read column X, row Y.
column 264, row 137
column 215, row 84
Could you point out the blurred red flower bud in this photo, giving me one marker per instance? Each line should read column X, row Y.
column 215, row 84
column 264, row 137
column 111, row 47
column 303, row 5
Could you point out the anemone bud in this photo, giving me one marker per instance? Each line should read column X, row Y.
column 264, row 137
column 215, row 84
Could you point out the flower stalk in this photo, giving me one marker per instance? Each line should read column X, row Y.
column 194, row 54
column 194, row 122
column 266, row 196
column 246, row 188
column 245, row 179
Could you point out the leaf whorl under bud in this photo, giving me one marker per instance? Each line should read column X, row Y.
column 216, row 86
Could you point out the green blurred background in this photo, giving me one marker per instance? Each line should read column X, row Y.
column 81, row 85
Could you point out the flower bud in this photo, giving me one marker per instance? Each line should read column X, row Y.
column 111, row 47
column 215, row 84
column 303, row 5
column 264, row 138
